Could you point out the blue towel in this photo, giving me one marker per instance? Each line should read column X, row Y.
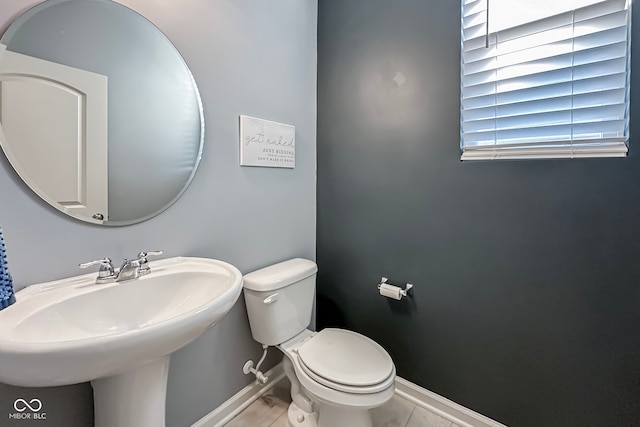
column 7, row 297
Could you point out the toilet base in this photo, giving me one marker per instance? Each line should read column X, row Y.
column 337, row 416
column 332, row 416
column 299, row 418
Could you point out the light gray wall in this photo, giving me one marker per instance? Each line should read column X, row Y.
column 248, row 57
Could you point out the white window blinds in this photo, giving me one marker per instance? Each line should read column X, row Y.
column 554, row 87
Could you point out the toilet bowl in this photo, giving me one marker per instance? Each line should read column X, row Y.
column 336, row 375
column 343, row 374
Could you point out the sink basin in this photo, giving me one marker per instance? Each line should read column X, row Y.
column 119, row 335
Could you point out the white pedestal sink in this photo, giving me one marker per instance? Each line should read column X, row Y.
column 119, row 335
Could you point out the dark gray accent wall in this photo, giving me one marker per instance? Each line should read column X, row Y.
column 527, row 273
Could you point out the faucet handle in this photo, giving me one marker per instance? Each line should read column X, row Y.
column 144, row 255
column 144, row 263
column 106, row 273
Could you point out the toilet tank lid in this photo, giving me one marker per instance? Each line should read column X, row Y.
column 279, row 275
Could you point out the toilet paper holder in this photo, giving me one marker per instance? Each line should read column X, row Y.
column 403, row 292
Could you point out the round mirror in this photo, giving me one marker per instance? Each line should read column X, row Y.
column 99, row 113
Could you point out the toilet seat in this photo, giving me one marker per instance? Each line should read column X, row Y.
column 389, row 381
column 346, row 361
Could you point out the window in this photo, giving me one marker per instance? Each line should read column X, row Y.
column 545, row 78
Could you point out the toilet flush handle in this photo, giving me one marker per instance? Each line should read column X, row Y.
column 271, row 299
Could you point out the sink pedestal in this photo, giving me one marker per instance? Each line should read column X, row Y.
column 134, row 398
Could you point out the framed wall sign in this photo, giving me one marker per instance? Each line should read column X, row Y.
column 267, row 144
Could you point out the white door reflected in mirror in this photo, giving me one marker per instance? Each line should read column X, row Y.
column 56, row 118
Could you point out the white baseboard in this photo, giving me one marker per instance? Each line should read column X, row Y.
column 445, row 408
column 424, row 398
column 239, row 401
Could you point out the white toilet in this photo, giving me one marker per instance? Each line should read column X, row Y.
column 336, row 375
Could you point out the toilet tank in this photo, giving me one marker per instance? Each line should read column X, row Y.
column 279, row 300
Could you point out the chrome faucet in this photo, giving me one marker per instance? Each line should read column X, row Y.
column 130, row 269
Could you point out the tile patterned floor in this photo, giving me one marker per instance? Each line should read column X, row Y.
column 270, row 410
